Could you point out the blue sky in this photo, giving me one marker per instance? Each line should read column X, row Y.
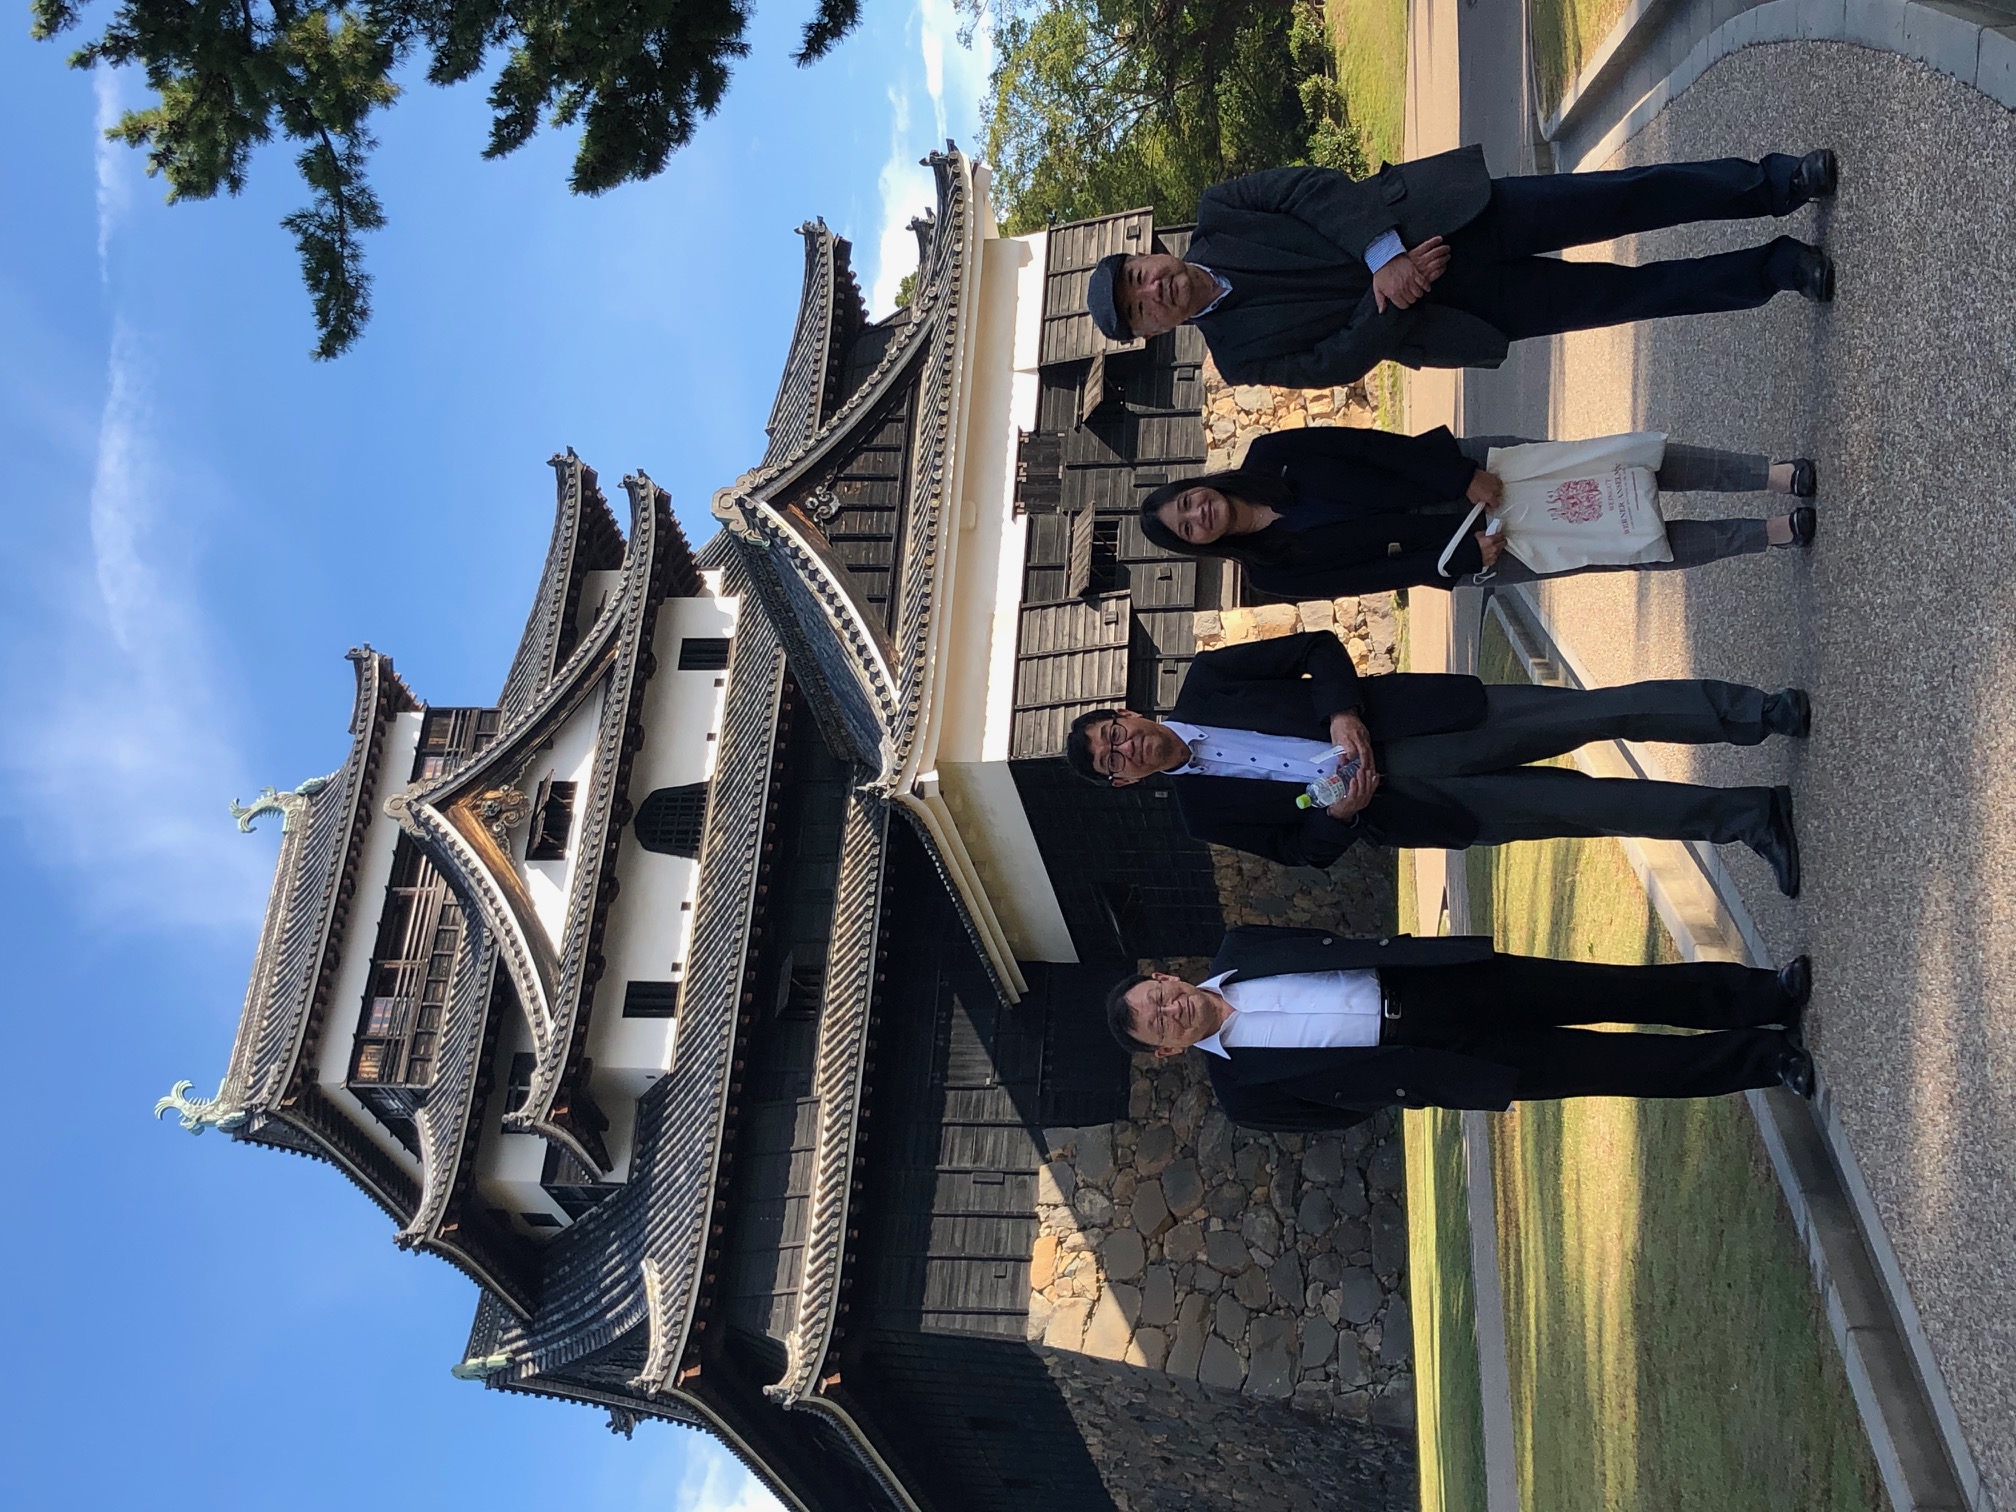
column 202, row 521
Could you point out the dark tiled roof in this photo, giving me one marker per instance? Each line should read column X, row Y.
column 839, row 654
column 830, row 314
column 839, row 1064
column 585, row 539
column 445, row 1126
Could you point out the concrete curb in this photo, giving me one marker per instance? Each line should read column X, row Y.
column 1905, row 1408
column 1974, row 44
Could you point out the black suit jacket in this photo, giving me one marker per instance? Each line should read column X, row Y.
column 1292, row 242
column 1298, row 1090
column 1291, row 686
column 1377, row 477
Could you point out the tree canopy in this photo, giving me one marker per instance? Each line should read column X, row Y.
column 1100, row 105
column 230, row 75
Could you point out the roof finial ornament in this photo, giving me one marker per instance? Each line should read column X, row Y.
column 199, row 1113
column 479, row 1368
column 288, row 806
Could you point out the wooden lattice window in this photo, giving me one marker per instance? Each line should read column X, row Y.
column 450, row 736
column 411, row 978
column 672, row 820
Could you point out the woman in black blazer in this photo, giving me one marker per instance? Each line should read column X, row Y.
column 1332, row 510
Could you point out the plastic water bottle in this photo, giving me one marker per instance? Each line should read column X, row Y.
column 1331, row 785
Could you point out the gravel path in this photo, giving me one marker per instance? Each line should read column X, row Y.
column 1900, row 622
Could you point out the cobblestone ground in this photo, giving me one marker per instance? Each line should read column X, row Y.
column 1900, row 622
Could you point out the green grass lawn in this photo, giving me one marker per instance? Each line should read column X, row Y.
column 1667, row 1347
column 1564, row 33
column 1370, row 40
column 1450, row 1421
column 1370, row 37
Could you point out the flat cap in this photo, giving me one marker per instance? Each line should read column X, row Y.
column 1099, row 297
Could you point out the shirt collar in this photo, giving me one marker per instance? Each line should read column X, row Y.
column 1224, row 288
column 1189, row 734
column 1211, row 1044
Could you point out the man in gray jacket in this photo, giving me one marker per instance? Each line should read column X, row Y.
column 1304, row 277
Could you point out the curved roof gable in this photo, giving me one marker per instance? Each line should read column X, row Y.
column 585, row 539
column 830, row 314
column 268, row 1094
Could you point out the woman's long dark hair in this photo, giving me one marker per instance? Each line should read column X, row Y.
column 1267, row 488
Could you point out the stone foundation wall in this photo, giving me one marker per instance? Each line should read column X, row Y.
column 1165, row 1444
column 1206, row 1264
column 1235, row 414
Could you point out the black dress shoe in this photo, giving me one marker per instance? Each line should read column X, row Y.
column 1789, row 712
column 1816, row 175
column 1780, row 847
column 1805, row 522
column 1812, row 274
column 1805, row 478
column 1795, row 1073
column 1795, row 981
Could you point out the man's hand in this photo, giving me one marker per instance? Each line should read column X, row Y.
column 1363, row 786
column 1348, row 730
column 1486, row 489
column 1406, row 278
column 1491, row 546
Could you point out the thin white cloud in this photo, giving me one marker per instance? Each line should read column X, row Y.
column 688, row 1471
column 953, row 78
column 114, row 177
column 120, row 754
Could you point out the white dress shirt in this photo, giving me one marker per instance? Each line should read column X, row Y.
column 1383, row 250
column 1303, row 1010
column 1216, row 752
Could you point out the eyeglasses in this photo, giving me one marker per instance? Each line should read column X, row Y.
column 1111, row 734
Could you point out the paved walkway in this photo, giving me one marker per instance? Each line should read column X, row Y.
column 1900, row 622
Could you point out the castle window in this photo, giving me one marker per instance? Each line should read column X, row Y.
column 703, row 654
column 552, row 819
column 650, row 1000
column 670, row 821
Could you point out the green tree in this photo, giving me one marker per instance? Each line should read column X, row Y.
column 230, row 75
column 1098, row 105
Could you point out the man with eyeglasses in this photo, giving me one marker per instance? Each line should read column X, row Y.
column 1301, row 1030
column 1441, row 759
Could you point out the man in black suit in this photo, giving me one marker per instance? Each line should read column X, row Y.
column 1304, row 1031
column 1441, row 757
column 1305, row 277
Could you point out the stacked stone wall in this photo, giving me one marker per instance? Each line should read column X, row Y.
column 1229, row 1269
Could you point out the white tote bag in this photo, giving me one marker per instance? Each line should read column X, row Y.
column 1572, row 504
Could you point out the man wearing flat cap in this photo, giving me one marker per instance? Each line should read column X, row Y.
column 1305, row 278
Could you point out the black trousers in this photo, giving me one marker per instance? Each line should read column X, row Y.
column 1497, row 271
column 1510, row 1009
column 1482, row 769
